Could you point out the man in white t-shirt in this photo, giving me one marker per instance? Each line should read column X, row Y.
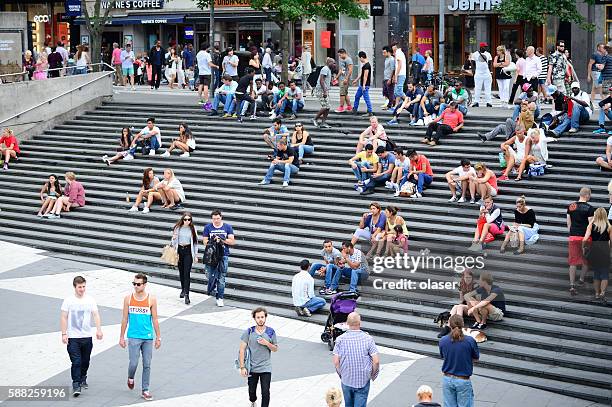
column 400, row 73
column 79, row 314
column 605, row 161
column 458, row 180
column 230, row 64
column 149, row 136
column 204, row 60
column 482, row 74
column 581, row 111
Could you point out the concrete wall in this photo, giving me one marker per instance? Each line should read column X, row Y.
column 24, row 95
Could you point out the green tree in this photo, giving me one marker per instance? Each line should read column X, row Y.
column 537, row 11
column 94, row 23
column 286, row 12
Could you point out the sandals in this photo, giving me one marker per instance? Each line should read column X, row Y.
column 573, row 290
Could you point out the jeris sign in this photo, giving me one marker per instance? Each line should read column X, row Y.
column 473, row 5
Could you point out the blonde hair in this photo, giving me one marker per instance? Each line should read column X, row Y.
column 521, row 200
column 171, row 172
column 28, row 53
column 610, row 186
column 501, row 48
column 533, row 131
column 480, row 166
column 70, row 175
column 333, row 398
column 424, row 390
column 600, row 220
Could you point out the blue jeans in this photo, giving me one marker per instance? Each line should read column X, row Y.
column 398, row 91
column 297, row 105
column 315, row 303
column 356, row 276
column 360, row 175
column 579, row 115
column 330, row 270
column 420, row 113
column 135, row 348
column 79, row 350
column 216, row 278
column 286, row 169
column 457, row 392
column 268, row 73
column 603, row 115
column 304, row 148
column 422, row 180
column 378, row 180
column 225, row 99
column 81, row 71
column 355, row 397
column 153, row 144
column 461, row 108
column 517, row 111
column 365, row 92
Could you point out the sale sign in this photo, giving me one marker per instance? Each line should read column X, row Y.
column 425, row 40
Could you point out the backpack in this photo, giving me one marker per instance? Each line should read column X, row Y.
column 247, row 352
column 213, row 253
column 390, row 144
column 314, row 77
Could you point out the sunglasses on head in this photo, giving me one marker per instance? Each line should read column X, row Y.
column 135, row 284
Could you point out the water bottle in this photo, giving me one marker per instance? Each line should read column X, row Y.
column 127, row 197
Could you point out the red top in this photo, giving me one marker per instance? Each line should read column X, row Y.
column 493, row 181
column 452, row 119
column 75, row 192
column 8, row 140
column 418, row 164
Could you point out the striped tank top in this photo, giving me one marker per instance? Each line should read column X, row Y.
column 140, row 322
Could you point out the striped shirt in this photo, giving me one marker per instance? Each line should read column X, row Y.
column 544, row 72
column 355, row 349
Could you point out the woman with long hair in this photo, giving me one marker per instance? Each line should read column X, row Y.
column 185, row 142
column 524, row 229
column 50, row 191
column 41, row 66
column 393, row 220
column 501, row 61
column 83, row 60
column 147, row 191
column 466, row 285
column 598, row 255
column 180, row 72
column 185, row 241
column 74, row 196
column 171, row 69
column 171, row 190
column 124, row 147
column 303, row 141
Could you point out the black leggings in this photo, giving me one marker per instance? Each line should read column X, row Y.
column 265, row 378
column 519, row 82
column 185, row 260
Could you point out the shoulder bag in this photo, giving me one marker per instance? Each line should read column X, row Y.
column 169, row 255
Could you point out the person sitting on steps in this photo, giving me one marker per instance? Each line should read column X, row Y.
column 605, row 161
column 524, row 230
column 420, row 173
column 185, row 142
column 125, row 143
column 355, row 266
column 490, row 224
column 302, row 292
column 450, row 121
column 74, row 197
column 147, row 191
column 170, row 190
column 492, row 303
column 286, row 161
column 275, row 133
column 331, row 257
column 49, row 193
column 364, row 164
column 536, row 150
column 224, row 94
column 484, row 183
column 374, row 135
column 466, row 285
column 459, row 179
column 402, row 167
column 513, row 156
column 386, row 163
column 149, row 137
column 302, row 140
column 371, row 225
column 393, row 220
column 9, row 147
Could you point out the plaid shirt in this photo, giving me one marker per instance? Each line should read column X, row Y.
column 355, row 349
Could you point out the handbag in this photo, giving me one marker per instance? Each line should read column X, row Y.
column 510, row 68
column 428, row 119
column 169, row 255
column 408, row 188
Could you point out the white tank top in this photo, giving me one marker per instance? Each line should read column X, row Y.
column 520, row 147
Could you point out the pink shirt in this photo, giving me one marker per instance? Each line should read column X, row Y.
column 76, row 193
column 117, row 56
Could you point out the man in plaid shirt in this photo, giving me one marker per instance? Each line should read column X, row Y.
column 356, row 361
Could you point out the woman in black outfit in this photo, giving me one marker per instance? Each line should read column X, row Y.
column 524, row 227
column 302, row 141
column 185, row 241
column 600, row 231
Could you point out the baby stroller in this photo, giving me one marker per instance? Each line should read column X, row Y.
column 342, row 304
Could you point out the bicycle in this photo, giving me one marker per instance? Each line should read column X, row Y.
column 444, row 83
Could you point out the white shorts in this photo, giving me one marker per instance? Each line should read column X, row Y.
column 513, row 153
column 492, row 191
column 364, row 234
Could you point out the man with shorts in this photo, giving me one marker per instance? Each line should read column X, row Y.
column 345, row 72
column 400, row 73
column 127, row 65
column 557, row 68
column 322, row 92
column 205, row 64
column 492, row 303
column 596, row 65
column 605, row 161
column 579, row 215
column 459, row 179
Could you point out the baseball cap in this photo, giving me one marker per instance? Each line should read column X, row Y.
column 483, row 44
column 575, row 85
column 526, row 87
column 551, row 89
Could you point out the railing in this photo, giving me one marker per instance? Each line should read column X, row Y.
column 49, row 101
column 25, row 72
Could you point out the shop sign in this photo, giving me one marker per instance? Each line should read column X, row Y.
column 325, row 39
column 473, row 5
column 41, row 19
column 73, row 8
column 133, row 4
column 155, row 21
column 425, row 40
column 189, row 33
column 377, row 8
column 232, row 3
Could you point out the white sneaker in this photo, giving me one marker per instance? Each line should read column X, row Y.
column 416, row 195
column 146, row 210
column 152, row 152
column 185, row 155
column 388, row 185
column 166, row 154
column 273, row 116
column 453, row 199
column 105, row 158
column 285, row 184
column 128, row 157
column 133, row 88
column 420, row 123
column 134, row 209
column 573, row 130
column 219, row 302
column 461, row 200
column 397, row 192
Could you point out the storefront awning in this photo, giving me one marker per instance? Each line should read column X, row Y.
column 143, row 19
column 252, row 16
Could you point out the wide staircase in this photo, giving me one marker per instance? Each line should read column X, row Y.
column 548, row 339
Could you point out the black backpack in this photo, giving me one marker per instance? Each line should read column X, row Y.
column 213, row 252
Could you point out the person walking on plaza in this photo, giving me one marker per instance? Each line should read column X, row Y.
column 557, row 68
column 363, row 88
column 579, row 216
column 157, row 60
column 400, row 73
column 482, row 74
column 307, row 67
column 116, row 63
column 255, row 356
column 78, row 313
column 218, row 229
column 185, row 242
column 205, row 66
column 140, row 319
column 594, row 68
column 388, row 77
column 302, row 289
column 322, row 93
column 459, row 353
column 127, row 65
column 345, row 73
column 356, row 361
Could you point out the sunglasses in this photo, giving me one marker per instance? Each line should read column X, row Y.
column 137, row 284
column 187, row 219
column 299, row 125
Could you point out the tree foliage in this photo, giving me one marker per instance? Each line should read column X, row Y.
column 537, row 11
column 94, row 23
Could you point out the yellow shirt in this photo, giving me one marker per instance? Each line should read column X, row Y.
column 373, row 159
